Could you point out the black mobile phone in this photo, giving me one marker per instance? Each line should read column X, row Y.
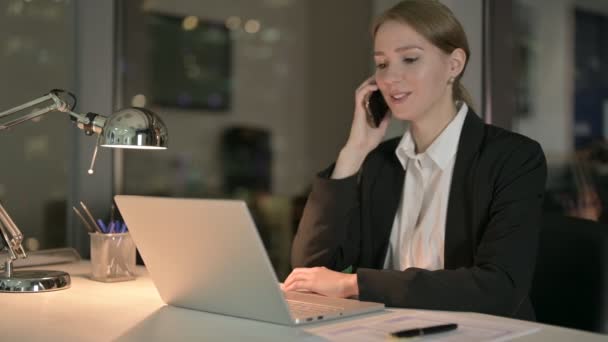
column 376, row 108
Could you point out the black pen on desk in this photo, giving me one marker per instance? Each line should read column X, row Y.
column 424, row 331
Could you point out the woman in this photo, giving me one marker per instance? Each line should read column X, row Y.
column 447, row 216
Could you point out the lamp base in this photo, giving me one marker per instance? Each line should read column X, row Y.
column 34, row 281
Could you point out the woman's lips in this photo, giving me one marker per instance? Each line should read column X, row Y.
column 399, row 97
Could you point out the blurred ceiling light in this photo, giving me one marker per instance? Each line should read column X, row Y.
column 252, row 26
column 139, row 100
column 233, row 23
column 190, row 23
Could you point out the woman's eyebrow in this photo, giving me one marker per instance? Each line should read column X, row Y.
column 399, row 49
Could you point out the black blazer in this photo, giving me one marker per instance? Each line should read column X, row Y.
column 491, row 233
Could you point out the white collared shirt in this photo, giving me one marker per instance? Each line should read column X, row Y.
column 418, row 233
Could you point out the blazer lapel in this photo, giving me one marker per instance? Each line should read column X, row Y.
column 385, row 196
column 459, row 246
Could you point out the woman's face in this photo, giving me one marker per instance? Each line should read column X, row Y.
column 411, row 72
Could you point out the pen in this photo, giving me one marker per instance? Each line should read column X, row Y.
column 104, row 228
column 424, row 331
column 86, row 223
column 86, row 211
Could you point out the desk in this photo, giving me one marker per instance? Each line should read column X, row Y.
column 133, row 311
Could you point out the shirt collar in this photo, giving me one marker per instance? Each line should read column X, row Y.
column 441, row 150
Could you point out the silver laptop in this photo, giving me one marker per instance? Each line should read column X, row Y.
column 207, row 255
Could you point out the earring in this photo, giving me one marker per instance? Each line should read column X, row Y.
column 451, row 80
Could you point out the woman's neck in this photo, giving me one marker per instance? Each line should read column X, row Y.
column 426, row 129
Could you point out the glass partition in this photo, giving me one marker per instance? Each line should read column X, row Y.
column 257, row 96
column 550, row 83
column 36, row 55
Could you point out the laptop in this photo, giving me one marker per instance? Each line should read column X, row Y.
column 207, row 255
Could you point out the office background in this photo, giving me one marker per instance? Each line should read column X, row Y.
column 258, row 96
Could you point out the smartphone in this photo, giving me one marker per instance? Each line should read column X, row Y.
column 376, row 108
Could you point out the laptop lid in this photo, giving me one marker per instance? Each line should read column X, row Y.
column 205, row 255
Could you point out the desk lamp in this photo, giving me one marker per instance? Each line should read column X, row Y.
column 135, row 128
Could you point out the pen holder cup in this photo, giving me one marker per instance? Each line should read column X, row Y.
column 112, row 257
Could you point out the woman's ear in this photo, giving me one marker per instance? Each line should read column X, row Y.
column 458, row 59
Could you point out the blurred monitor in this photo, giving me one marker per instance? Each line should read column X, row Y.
column 189, row 61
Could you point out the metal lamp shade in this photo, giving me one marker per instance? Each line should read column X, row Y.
column 135, row 128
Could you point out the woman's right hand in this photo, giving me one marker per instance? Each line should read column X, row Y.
column 363, row 138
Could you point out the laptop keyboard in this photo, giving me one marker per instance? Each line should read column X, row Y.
column 303, row 309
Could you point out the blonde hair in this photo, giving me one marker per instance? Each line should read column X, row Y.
column 435, row 22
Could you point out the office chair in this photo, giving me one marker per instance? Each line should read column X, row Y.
column 570, row 285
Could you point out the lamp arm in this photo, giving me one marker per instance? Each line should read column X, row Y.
column 90, row 123
column 152, row 135
column 13, row 238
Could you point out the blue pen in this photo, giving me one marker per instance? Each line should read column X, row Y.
column 117, row 227
column 111, row 227
column 124, row 227
column 103, row 227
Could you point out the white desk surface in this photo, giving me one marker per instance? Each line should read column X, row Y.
column 133, row 311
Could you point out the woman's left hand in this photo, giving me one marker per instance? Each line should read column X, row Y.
column 322, row 281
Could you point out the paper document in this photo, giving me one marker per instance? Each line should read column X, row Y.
column 471, row 327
